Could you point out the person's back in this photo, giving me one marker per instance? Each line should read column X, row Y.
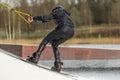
column 61, row 16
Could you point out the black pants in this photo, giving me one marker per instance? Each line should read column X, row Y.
column 56, row 37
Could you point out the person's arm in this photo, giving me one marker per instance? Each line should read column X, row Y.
column 43, row 19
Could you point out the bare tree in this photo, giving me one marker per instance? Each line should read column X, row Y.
column 86, row 13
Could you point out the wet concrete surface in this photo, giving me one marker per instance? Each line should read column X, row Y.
column 95, row 74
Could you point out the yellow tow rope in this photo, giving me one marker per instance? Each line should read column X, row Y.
column 17, row 12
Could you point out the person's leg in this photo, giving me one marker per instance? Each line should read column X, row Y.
column 57, row 63
column 57, row 58
column 56, row 53
column 36, row 55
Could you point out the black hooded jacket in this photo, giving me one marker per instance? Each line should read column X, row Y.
column 59, row 15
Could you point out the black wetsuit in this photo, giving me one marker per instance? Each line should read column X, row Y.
column 63, row 31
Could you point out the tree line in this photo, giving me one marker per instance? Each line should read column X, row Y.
column 83, row 12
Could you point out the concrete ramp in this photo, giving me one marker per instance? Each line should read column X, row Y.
column 12, row 68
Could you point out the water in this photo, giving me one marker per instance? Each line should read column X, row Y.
column 96, row 74
column 97, row 46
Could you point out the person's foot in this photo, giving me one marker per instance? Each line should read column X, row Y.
column 57, row 66
column 34, row 58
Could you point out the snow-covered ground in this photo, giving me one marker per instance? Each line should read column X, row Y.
column 13, row 68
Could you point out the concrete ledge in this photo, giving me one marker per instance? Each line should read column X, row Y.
column 67, row 53
column 13, row 48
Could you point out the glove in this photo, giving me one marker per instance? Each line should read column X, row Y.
column 38, row 18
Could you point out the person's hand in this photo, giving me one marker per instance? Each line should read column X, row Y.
column 30, row 19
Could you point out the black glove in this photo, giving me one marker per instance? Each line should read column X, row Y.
column 39, row 19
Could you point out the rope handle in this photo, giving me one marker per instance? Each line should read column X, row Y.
column 20, row 13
